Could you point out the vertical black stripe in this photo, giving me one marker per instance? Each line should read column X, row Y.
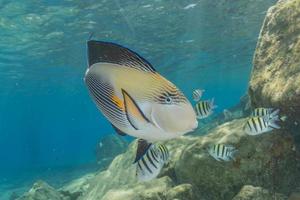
column 248, row 123
column 150, row 160
column 153, row 156
column 223, row 150
column 260, row 123
column 264, row 121
column 254, row 124
column 145, row 164
column 200, row 109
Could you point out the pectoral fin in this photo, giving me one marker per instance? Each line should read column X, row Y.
column 134, row 114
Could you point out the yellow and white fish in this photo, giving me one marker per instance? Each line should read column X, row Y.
column 204, row 109
column 261, row 124
column 134, row 97
column 149, row 165
column 222, row 152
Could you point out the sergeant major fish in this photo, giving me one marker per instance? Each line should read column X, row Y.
column 222, row 152
column 204, row 109
column 134, row 97
column 259, row 125
column 150, row 165
column 271, row 112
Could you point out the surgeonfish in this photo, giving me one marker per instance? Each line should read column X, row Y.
column 204, row 109
column 151, row 163
column 222, row 152
column 197, row 94
column 260, row 124
column 133, row 96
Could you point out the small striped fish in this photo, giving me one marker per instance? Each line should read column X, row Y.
column 260, row 112
column 259, row 125
column 150, row 165
column 197, row 94
column 204, row 108
column 222, row 152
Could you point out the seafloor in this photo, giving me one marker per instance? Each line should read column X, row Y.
column 267, row 166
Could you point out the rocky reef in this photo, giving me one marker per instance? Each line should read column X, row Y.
column 275, row 78
column 269, row 161
column 266, row 167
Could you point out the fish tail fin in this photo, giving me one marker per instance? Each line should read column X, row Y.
column 273, row 124
column 233, row 154
column 275, row 114
column 212, row 103
column 283, row 118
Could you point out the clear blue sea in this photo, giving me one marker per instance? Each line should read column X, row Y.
column 48, row 122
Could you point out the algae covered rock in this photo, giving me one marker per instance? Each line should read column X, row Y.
column 249, row 192
column 267, row 160
column 157, row 189
column 76, row 188
column 41, row 191
column 152, row 190
column 182, row 192
column 275, row 79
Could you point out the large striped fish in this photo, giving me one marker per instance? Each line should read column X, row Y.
column 150, row 164
column 134, row 97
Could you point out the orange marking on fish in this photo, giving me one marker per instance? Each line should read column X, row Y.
column 118, row 102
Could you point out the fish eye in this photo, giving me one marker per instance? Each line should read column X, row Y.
column 168, row 100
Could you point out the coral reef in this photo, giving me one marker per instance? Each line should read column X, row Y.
column 275, row 76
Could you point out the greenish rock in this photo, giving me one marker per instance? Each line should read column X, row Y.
column 76, row 188
column 41, row 191
column 249, row 192
column 152, row 190
column 267, row 160
column 275, row 75
column 294, row 196
column 182, row 192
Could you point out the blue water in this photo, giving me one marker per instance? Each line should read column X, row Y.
column 47, row 119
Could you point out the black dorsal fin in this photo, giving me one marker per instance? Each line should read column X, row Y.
column 107, row 52
column 142, row 148
column 119, row 131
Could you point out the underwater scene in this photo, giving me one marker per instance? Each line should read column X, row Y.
column 150, row 100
